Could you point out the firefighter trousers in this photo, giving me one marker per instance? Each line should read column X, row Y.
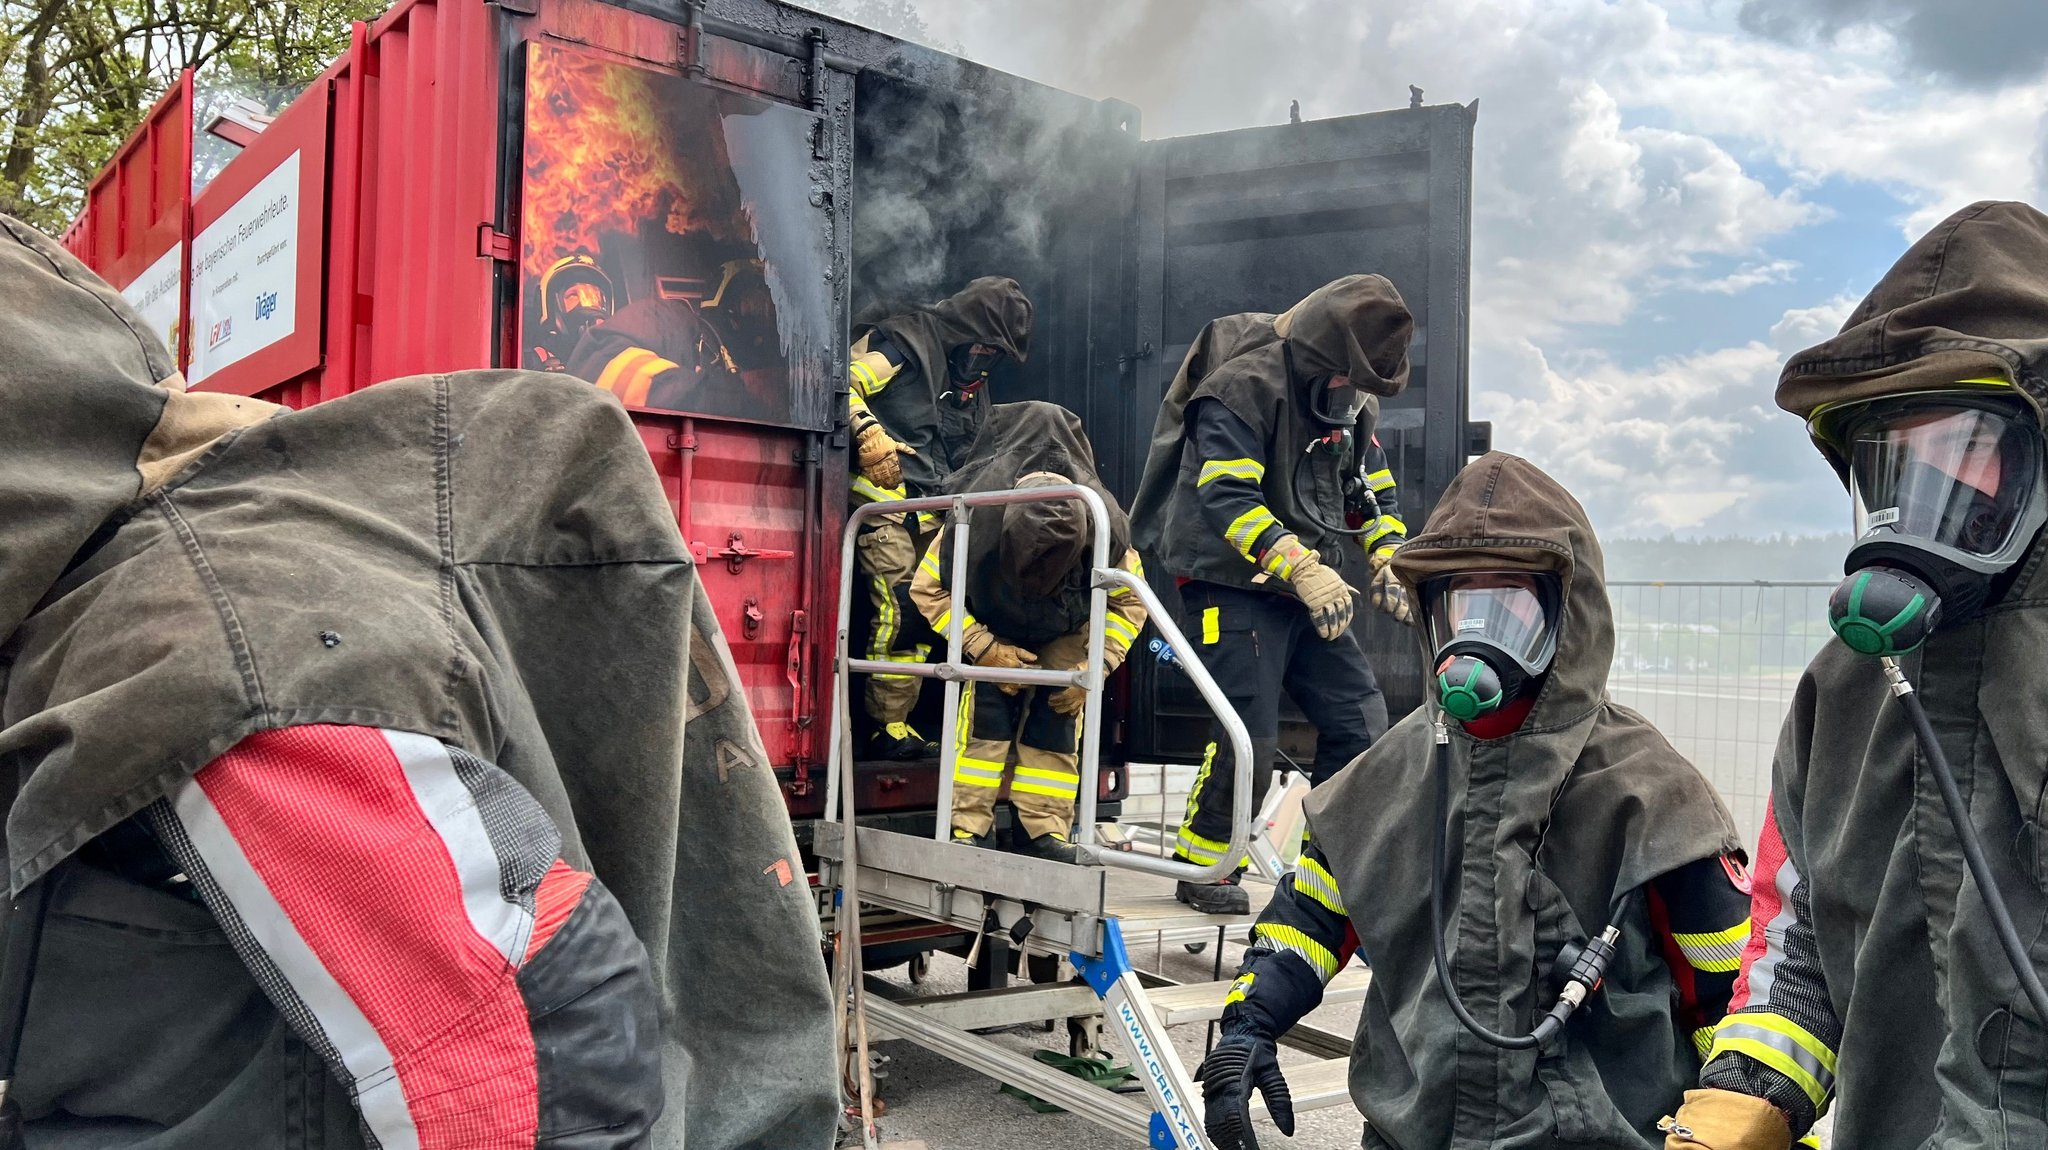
column 1046, row 779
column 1257, row 644
column 888, row 553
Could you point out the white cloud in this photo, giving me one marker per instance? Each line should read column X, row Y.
column 1744, row 278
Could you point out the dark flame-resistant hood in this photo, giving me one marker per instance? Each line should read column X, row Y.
column 1968, row 301
column 1356, row 326
column 92, row 413
column 1043, row 541
column 1022, row 440
column 1502, row 514
column 993, row 310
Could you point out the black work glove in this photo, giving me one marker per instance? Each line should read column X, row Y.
column 1243, row 1061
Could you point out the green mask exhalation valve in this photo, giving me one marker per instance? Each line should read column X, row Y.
column 1468, row 687
column 1883, row 611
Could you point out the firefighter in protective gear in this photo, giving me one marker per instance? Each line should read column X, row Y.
column 656, row 352
column 918, row 398
column 1563, row 806
column 1026, row 605
column 1243, row 501
column 1874, row 973
column 575, row 296
column 316, row 727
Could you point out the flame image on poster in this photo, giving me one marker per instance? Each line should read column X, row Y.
column 667, row 254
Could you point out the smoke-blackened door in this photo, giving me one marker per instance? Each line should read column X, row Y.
column 1253, row 220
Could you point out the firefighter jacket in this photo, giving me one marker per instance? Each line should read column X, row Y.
column 655, row 353
column 1234, row 416
column 1874, row 974
column 1551, row 826
column 485, row 558
column 1022, row 599
column 912, row 392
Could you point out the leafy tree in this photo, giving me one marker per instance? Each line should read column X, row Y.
column 76, row 77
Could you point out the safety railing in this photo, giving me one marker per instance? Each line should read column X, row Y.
column 1714, row 665
column 954, row 670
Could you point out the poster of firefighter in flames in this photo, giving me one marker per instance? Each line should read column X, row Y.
column 670, row 252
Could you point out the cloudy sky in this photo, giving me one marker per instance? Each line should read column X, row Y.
column 1669, row 196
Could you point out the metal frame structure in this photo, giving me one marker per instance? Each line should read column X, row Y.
column 1047, row 907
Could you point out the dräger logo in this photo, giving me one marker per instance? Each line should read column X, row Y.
column 220, row 333
column 266, row 304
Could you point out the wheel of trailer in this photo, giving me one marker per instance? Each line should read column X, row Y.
column 920, row 967
column 1195, row 947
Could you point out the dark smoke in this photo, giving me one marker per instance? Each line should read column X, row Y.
column 1972, row 43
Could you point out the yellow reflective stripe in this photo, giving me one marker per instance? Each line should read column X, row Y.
column 1241, row 987
column 635, row 380
column 1384, row 526
column 1278, row 562
column 1781, row 1044
column 1703, row 1042
column 945, row 617
column 1211, row 634
column 1287, row 938
column 884, row 635
column 1246, row 528
column 1137, row 566
column 873, row 492
column 865, row 381
column 1380, row 480
column 977, row 772
column 1319, row 884
column 929, row 564
column 1717, row 952
column 1811, row 1141
column 620, row 368
column 1190, row 846
column 1052, row 773
column 1119, row 628
column 1250, row 469
column 1019, row 785
column 1120, row 592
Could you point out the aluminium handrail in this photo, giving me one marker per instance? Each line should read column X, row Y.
column 954, row 670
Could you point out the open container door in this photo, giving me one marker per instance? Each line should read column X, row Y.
column 1255, row 219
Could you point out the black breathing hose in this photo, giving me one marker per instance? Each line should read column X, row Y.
column 1308, row 506
column 1973, row 848
column 1587, row 968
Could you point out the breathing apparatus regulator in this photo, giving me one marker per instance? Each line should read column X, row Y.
column 1949, row 493
column 969, row 365
column 1493, row 636
column 1333, row 403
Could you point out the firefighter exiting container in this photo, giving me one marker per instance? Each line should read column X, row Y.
column 1026, row 605
column 919, row 396
column 1262, row 453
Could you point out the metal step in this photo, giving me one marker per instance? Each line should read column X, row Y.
column 1314, row 1086
column 1203, row 1001
column 1147, row 913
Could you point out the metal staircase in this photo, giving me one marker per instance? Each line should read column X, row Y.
column 1037, row 906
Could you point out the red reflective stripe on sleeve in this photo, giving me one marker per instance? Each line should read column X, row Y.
column 1682, row 976
column 329, row 821
column 1766, row 903
column 561, row 889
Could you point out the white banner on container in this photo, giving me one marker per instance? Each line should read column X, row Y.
column 154, row 295
column 245, row 274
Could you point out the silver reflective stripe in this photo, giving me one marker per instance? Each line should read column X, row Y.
column 369, row 1062
column 1782, row 1043
column 451, row 808
column 1763, row 973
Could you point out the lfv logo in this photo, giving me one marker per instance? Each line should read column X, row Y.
column 266, row 304
column 220, row 332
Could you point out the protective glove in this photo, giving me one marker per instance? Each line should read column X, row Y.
column 1726, row 1120
column 1324, row 592
column 876, row 452
column 985, row 650
column 1070, row 700
column 1387, row 594
column 1243, row 1061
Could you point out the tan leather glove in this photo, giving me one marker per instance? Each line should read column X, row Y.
column 1725, row 1120
column 1069, row 700
column 1324, row 592
column 1387, row 594
column 981, row 646
column 876, row 451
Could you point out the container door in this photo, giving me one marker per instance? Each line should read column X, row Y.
column 1255, row 219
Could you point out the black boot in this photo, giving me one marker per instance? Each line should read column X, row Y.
column 969, row 838
column 1225, row 897
column 1051, row 845
column 900, row 743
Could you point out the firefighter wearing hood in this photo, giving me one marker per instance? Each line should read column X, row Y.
column 1262, row 455
column 1026, row 605
column 918, row 398
column 1549, row 815
column 354, row 830
column 1875, row 973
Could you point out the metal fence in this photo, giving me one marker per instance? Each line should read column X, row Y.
column 1714, row 665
